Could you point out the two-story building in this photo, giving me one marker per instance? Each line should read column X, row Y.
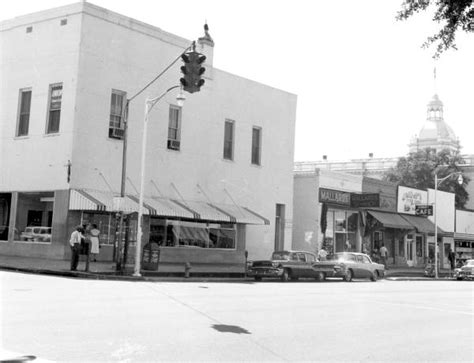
column 219, row 178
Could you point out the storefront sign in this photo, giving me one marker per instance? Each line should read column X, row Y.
column 334, row 197
column 368, row 200
column 409, row 198
column 423, row 210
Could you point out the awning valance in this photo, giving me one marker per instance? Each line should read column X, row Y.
column 391, row 220
column 205, row 211
column 422, row 224
column 93, row 200
column 242, row 214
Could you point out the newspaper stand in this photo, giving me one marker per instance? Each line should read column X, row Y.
column 151, row 256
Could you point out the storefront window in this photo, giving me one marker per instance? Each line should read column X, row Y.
column 105, row 224
column 169, row 233
column 344, row 230
column 34, row 216
column 5, row 206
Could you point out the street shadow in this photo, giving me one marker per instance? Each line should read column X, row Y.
column 230, row 329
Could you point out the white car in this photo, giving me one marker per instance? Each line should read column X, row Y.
column 466, row 272
column 36, row 234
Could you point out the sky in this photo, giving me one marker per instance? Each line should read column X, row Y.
column 362, row 78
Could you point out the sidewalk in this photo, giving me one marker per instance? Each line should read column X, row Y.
column 106, row 271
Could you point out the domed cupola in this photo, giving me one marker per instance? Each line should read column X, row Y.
column 435, row 133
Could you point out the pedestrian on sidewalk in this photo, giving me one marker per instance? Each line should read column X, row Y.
column 452, row 261
column 75, row 242
column 86, row 244
column 384, row 256
column 322, row 254
column 94, row 242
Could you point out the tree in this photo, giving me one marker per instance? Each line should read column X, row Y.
column 417, row 171
column 456, row 15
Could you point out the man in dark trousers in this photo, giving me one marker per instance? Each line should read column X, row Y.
column 75, row 243
column 452, row 260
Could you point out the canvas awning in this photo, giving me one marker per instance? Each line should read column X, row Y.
column 164, row 207
column 422, row 224
column 205, row 211
column 93, row 200
column 242, row 214
column 391, row 220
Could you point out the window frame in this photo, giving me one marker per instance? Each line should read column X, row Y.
column 21, row 92
column 229, row 144
column 121, row 126
column 49, row 130
column 258, row 147
column 176, row 130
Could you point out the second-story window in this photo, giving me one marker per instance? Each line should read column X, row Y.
column 116, row 127
column 54, row 112
column 229, row 140
column 256, row 145
column 24, row 112
column 174, row 128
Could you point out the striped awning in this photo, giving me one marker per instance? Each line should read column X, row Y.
column 93, row 200
column 87, row 199
column 166, row 208
column 242, row 214
column 205, row 211
column 80, row 200
column 391, row 220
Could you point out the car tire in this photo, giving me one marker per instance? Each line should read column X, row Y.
column 459, row 278
column 258, row 278
column 348, row 275
column 320, row 276
column 285, row 276
column 374, row 276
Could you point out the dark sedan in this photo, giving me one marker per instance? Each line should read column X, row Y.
column 285, row 265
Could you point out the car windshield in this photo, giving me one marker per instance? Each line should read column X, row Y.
column 281, row 256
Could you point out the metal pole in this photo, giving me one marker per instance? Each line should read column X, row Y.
column 119, row 265
column 436, row 227
column 149, row 103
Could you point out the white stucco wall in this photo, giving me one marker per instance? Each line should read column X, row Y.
column 101, row 51
column 48, row 54
column 445, row 209
column 464, row 221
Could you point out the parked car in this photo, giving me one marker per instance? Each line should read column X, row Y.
column 36, row 234
column 348, row 265
column 465, row 272
column 285, row 265
column 4, row 234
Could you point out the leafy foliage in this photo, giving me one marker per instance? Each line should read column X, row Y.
column 455, row 14
column 417, row 170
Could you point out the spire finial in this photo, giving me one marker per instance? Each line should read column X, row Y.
column 207, row 37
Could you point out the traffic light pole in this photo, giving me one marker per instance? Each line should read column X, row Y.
column 119, row 255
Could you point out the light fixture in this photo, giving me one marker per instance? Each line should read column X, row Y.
column 460, row 179
column 180, row 98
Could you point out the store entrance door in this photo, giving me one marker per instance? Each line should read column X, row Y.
column 411, row 258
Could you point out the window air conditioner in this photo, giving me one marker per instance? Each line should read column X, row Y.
column 173, row 144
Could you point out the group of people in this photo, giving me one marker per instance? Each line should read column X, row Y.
column 84, row 241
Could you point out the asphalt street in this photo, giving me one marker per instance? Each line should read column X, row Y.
column 66, row 319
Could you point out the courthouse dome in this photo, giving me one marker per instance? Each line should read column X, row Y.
column 435, row 132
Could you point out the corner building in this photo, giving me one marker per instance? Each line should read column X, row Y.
column 219, row 178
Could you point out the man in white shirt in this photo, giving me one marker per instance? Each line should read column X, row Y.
column 322, row 254
column 384, row 256
column 75, row 243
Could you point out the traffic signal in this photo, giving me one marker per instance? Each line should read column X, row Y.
column 192, row 71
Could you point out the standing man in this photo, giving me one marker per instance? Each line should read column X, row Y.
column 452, row 260
column 75, row 243
column 322, row 254
column 384, row 255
